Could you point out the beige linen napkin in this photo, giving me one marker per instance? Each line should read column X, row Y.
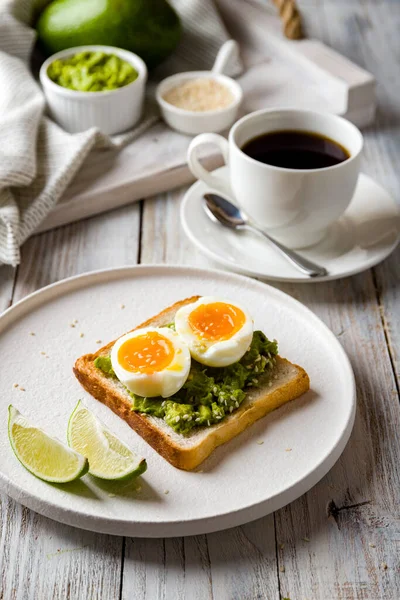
column 38, row 159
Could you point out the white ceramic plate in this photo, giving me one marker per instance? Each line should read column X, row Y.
column 259, row 478
column 366, row 234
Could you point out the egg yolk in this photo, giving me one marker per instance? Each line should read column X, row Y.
column 217, row 320
column 147, row 353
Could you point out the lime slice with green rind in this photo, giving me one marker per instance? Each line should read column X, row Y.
column 109, row 458
column 44, row 456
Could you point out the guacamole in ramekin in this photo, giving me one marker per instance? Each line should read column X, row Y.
column 92, row 72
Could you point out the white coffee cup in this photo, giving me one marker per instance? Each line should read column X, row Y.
column 296, row 206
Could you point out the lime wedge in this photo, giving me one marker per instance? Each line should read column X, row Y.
column 42, row 455
column 109, row 458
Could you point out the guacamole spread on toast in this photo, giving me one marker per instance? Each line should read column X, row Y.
column 209, row 393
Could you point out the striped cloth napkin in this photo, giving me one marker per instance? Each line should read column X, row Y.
column 38, row 159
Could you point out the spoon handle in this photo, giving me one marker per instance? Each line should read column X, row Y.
column 306, row 266
column 225, row 53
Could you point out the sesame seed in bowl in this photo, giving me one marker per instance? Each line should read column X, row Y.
column 200, row 94
column 196, row 102
column 199, row 101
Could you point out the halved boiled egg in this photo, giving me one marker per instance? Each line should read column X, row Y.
column 218, row 332
column 151, row 361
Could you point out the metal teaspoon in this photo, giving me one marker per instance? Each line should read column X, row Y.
column 219, row 209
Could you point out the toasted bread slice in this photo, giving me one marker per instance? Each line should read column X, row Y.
column 187, row 452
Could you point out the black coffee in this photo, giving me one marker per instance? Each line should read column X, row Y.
column 296, row 150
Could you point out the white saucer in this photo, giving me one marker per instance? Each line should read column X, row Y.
column 366, row 234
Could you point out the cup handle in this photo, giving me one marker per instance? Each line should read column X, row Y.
column 213, row 181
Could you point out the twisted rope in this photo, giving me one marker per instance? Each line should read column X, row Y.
column 290, row 17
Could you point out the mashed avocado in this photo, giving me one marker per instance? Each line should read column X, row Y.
column 209, row 393
column 91, row 72
column 104, row 364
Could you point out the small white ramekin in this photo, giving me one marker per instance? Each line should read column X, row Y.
column 112, row 111
column 194, row 122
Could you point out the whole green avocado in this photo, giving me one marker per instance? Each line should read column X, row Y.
column 150, row 28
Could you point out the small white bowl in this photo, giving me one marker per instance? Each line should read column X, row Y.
column 193, row 122
column 112, row 111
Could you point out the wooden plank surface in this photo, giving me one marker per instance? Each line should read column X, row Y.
column 347, row 509
column 352, row 517
column 379, row 48
column 341, row 540
column 51, row 561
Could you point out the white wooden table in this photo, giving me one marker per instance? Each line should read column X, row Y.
column 339, row 541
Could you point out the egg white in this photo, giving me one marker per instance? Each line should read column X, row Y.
column 214, row 353
column 162, row 383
